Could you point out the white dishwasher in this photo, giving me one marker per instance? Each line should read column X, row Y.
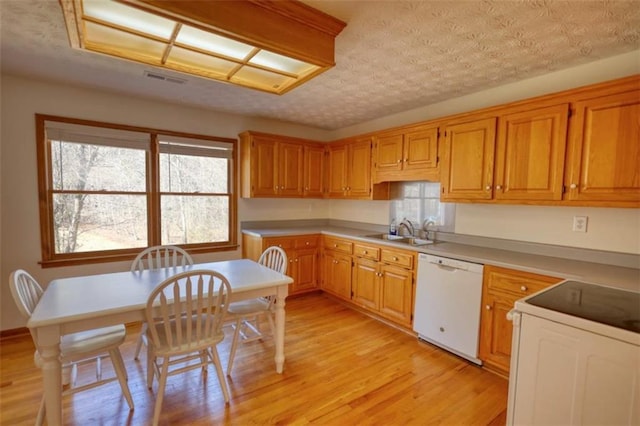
column 447, row 308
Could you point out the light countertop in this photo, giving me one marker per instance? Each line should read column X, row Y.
column 614, row 276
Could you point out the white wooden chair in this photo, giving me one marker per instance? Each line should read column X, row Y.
column 246, row 313
column 76, row 348
column 157, row 257
column 185, row 314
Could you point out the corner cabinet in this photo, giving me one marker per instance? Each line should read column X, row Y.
column 500, row 290
column 276, row 166
column 406, row 154
column 604, row 152
column 349, row 171
column 302, row 254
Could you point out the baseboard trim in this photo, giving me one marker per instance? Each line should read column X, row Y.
column 14, row 332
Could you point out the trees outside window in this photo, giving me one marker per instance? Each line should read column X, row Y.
column 110, row 190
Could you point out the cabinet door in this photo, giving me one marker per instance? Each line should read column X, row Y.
column 289, row 173
column 305, row 264
column 337, row 171
column 467, row 167
column 530, row 154
column 366, row 283
column 605, row 149
column 313, row 171
column 396, row 294
column 421, row 149
column 389, row 153
column 495, row 332
column 337, row 274
column 359, row 170
column 265, row 174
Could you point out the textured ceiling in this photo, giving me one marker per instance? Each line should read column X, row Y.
column 391, row 57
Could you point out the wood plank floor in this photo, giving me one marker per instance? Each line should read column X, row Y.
column 341, row 368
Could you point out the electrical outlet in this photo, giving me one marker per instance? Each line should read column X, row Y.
column 580, row 223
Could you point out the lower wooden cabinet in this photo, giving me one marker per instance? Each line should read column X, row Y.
column 336, row 268
column 501, row 288
column 384, row 286
column 302, row 255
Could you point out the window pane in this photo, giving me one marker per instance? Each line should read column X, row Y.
column 85, row 222
column 188, row 173
column 86, row 167
column 194, row 219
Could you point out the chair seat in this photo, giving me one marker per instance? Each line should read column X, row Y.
column 88, row 342
column 246, row 307
column 163, row 346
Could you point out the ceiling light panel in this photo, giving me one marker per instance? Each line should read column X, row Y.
column 286, row 44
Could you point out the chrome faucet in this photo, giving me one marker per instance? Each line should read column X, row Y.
column 425, row 227
column 406, row 224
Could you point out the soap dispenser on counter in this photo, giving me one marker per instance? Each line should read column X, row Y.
column 393, row 229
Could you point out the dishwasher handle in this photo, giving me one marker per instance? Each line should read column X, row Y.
column 452, row 264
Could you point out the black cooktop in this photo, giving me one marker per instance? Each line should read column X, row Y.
column 606, row 305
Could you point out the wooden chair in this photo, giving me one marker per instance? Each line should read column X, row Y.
column 157, row 257
column 185, row 314
column 75, row 348
column 246, row 314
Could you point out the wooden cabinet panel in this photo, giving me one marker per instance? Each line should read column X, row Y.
column 305, row 267
column 397, row 257
column 336, row 277
column 313, row 171
column 338, row 244
column 289, row 173
column 421, row 149
column 336, row 171
column 406, row 154
column 604, row 151
column 530, row 154
column 389, row 153
column 396, row 294
column 367, row 251
column 501, row 288
column 468, row 159
column 366, row 283
column 359, row 170
column 280, row 166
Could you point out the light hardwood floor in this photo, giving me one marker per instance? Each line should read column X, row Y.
column 341, row 368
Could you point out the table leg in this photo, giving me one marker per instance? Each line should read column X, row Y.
column 49, row 349
column 279, row 337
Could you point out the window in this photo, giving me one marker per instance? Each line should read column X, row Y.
column 419, row 202
column 110, row 190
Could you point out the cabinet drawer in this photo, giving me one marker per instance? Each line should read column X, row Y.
column 306, row 241
column 285, row 243
column 367, row 252
column 399, row 258
column 517, row 283
column 336, row 244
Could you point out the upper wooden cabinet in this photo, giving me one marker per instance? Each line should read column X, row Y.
column 313, row 182
column 275, row 166
column 406, row 154
column 467, row 160
column 530, row 154
column 348, row 172
column 603, row 163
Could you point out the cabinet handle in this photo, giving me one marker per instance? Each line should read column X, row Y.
column 498, row 187
column 296, row 259
column 488, row 187
column 399, row 161
column 290, row 260
column 348, row 188
column 307, row 243
column 306, row 188
column 573, row 186
column 280, row 245
column 523, row 288
column 365, row 252
column 335, row 245
column 406, row 160
column 487, row 307
column 395, row 259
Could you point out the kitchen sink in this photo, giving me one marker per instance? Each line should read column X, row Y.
column 412, row 241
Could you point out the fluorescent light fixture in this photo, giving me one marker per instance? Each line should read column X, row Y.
column 266, row 45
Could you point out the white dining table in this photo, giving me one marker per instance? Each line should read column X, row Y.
column 69, row 305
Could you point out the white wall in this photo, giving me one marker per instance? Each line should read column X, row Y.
column 22, row 98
